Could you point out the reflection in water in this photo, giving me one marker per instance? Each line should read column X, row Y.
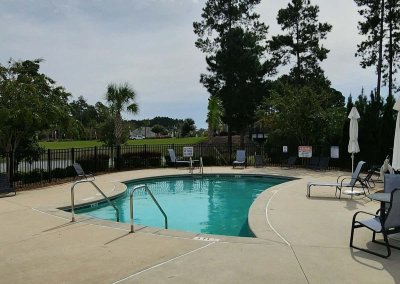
column 213, row 205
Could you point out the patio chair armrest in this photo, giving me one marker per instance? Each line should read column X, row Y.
column 378, row 212
column 342, row 177
column 362, row 181
column 345, row 178
column 90, row 175
column 364, row 212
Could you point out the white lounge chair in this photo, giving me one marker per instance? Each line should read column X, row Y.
column 240, row 158
column 342, row 181
column 175, row 161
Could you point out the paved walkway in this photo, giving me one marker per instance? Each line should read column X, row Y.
column 301, row 240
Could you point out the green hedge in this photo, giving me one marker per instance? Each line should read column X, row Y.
column 92, row 163
column 140, row 160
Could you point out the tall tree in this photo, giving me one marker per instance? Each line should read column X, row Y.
column 310, row 117
column 302, row 40
column 188, row 126
column 387, row 128
column 380, row 48
column 233, row 38
column 159, row 129
column 392, row 47
column 86, row 115
column 120, row 98
column 29, row 102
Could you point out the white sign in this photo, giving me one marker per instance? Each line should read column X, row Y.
column 335, row 152
column 305, row 151
column 188, row 151
column 284, row 149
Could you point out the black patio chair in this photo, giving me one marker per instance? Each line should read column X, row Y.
column 314, row 163
column 323, row 163
column 290, row 163
column 367, row 179
column 6, row 186
column 80, row 173
column 386, row 223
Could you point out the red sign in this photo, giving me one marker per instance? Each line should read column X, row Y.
column 305, row 151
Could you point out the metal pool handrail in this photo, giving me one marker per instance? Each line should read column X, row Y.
column 201, row 165
column 191, row 166
column 152, row 197
column 98, row 189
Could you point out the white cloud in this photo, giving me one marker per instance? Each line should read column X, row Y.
column 150, row 44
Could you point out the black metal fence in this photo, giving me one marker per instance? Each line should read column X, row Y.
column 56, row 164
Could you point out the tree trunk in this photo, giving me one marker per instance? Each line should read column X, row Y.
column 118, row 128
column 230, row 143
column 380, row 51
column 210, row 132
column 390, row 48
column 298, row 53
column 242, row 139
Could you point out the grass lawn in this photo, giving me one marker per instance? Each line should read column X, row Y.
column 93, row 143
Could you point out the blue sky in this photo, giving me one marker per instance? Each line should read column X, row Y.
column 150, row 44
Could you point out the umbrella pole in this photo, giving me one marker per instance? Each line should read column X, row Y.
column 352, row 162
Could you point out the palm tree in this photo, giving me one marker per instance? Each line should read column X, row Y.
column 120, row 98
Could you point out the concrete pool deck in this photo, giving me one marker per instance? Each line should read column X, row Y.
column 300, row 239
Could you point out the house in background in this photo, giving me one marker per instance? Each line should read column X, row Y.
column 142, row 133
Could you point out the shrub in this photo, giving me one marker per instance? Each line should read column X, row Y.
column 59, row 173
column 92, row 163
column 209, row 161
column 70, row 171
column 63, row 172
column 37, row 175
column 140, row 160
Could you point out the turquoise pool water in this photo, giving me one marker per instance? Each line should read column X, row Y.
column 212, row 204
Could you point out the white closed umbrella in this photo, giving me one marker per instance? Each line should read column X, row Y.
column 386, row 167
column 353, row 133
column 396, row 144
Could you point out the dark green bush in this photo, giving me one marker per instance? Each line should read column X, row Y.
column 59, row 173
column 209, row 161
column 37, row 175
column 92, row 163
column 140, row 160
column 70, row 171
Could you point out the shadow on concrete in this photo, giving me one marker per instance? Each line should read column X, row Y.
column 120, row 237
column 389, row 264
column 60, row 226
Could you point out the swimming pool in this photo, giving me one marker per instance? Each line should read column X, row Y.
column 211, row 204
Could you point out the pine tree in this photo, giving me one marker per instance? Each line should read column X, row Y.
column 302, row 40
column 381, row 48
column 233, row 38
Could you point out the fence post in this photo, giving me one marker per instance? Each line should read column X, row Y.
column 11, row 167
column 49, row 163
column 72, row 155
column 146, row 162
column 118, row 157
column 95, row 159
column 230, row 154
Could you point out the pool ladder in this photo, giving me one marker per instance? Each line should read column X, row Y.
column 98, row 189
column 191, row 167
column 145, row 187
